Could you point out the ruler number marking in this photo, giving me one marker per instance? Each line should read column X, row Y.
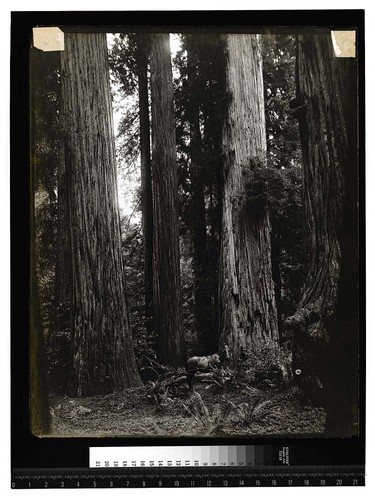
column 224, row 479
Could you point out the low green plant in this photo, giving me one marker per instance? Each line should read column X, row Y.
column 210, row 422
column 265, row 364
column 260, row 407
column 263, row 185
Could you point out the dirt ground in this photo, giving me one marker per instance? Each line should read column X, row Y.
column 200, row 412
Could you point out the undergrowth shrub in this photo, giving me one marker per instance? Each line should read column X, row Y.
column 209, row 421
column 265, row 366
column 259, row 408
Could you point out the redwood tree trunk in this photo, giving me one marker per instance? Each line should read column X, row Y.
column 326, row 320
column 102, row 346
column 167, row 289
column 248, row 309
column 146, row 180
column 276, row 272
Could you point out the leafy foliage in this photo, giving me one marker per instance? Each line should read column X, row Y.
column 187, row 292
column 132, row 246
column 45, row 156
column 124, row 88
column 210, row 422
column 257, row 409
column 122, row 62
column 200, row 96
column 265, row 366
column 279, row 89
column 284, row 160
column 58, row 354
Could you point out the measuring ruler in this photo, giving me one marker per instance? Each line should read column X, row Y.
column 135, row 477
column 189, row 466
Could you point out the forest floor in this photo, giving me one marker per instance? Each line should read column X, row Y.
column 203, row 411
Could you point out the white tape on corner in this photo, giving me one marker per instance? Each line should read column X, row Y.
column 48, row 39
column 344, row 43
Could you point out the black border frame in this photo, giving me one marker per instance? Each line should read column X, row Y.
column 29, row 451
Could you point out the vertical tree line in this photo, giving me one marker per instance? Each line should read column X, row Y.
column 228, row 186
column 102, row 354
column 326, row 320
column 166, row 262
column 248, row 308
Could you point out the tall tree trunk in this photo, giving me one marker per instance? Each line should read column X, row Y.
column 202, row 298
column 167, row 282
column 146, row 179
column 276, row 272
column 102, row 347
column 346, row 336
column 326, row 320
column 248, row 309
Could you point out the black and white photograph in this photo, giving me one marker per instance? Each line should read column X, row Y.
column 194, row 246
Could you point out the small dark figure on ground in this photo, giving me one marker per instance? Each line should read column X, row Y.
column 200, row 364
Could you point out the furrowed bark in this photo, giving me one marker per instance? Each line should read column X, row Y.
column 102, row 347
column 248, row 309
column 166, row 261
column 326, row 320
